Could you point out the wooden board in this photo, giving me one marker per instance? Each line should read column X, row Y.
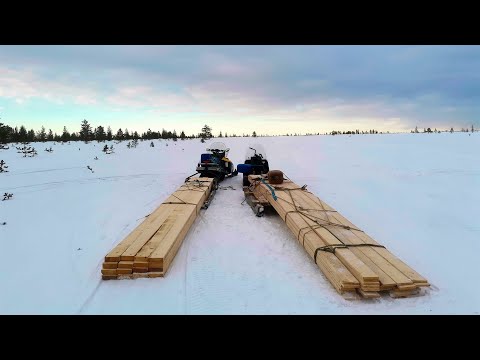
column 315, row 224
column 110, row 265
column 151, row 247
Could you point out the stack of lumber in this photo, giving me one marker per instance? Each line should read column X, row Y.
column 350, row 259
column 150, row 248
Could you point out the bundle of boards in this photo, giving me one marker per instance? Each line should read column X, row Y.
column 350, row 259
column 150, row 248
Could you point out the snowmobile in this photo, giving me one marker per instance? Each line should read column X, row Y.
column 255, row 164
column 215, row 163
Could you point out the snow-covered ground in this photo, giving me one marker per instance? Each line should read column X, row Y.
column 417, row 194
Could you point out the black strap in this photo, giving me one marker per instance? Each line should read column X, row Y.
column 332, row 248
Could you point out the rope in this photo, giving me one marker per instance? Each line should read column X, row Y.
column 179, row 203
column 324, row 224
column 182, row 201
column 332, row 248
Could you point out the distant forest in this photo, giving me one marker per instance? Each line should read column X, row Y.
column 87, row 133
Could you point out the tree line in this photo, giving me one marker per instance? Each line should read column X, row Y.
column 9, row 134
column 429, row 130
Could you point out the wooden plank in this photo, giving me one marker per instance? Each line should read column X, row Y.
column 169, row 247
column 297, row 221
column 414, row 276
column 125, row 265
column 331, row 228
column 140, row 270
column 109, row 272
column 388, row 274
column 155, row 262
column 394, row 272
column 110, row 265
column 123, row 271
column 149, row 247
column 369, row 294
column 154, row 274
column 139, row 242
column 114, row 254
column 142, row 264
column 147, row 232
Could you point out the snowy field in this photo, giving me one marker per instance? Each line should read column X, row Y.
column 417, row 194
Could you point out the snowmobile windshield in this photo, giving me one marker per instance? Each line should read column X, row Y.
column 255, row 148
column 218, row 147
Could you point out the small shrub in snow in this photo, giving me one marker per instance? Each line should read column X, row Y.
column 27, row 151
column 152, row 144
column 89, row 168
column 3, row 166
column 7, row 196
column 108, row 150
column 49, row 150
column 4, row 147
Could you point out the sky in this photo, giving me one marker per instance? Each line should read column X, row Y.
column 269, row 89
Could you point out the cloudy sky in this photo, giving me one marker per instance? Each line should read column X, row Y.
column 239, row 89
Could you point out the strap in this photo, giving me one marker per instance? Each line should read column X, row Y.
column 332, row 248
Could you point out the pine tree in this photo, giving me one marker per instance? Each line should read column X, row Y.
column 119, row 135
column 451, row 130
column 255, row 134
column 42, row 135
column 65, row 135
column 50, row 135
column 472, row 128
column 109, row 134
column 100, row 134
column 22, row 134
column 182, row 135
column 6, row 133
column 86, row 131
column 127, row 135
column 206, row 132
column 31, row 135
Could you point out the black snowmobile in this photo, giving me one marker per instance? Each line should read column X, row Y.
column 255, row 164
column 215, row 164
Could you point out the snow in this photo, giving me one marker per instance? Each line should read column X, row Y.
column 417, row 194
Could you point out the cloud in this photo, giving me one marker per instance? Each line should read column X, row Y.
column 397, row 86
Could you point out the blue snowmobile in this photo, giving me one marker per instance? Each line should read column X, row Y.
column 255, row 163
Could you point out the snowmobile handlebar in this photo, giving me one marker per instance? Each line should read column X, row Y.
column 259, row 155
